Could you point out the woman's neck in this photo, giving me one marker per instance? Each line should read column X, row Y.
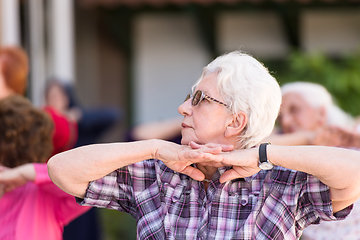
column 208, row 171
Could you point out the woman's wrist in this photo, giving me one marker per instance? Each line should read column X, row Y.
column 155, row 145
column 27, row 171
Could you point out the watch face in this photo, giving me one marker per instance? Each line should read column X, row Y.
column 266, row 166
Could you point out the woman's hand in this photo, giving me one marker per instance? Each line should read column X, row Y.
column 11, row 178
column 180, row 157
column 244, row 162
column 336, row 137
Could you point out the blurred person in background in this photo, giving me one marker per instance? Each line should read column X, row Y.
column 308, row 116
column 14, row 67
column 32, row 207
column 86, row 126
column 91, row 122
column 57, row 106
column 219, row 184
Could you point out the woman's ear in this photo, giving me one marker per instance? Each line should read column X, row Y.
column 238, row 123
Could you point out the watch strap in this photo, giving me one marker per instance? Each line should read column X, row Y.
column 262, row 152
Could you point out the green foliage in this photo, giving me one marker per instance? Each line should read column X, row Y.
column 341, row 76
column 117, row 225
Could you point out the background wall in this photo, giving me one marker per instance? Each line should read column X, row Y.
column 168, row 59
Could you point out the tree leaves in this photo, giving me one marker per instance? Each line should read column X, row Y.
column 340, row 76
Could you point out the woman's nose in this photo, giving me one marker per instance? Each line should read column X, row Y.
column 185, row 108
column 285, row 119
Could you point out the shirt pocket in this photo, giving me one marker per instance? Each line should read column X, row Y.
column 177, row 200
column 180, row 210
column 171, row 194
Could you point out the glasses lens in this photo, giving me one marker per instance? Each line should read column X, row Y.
column 197, row 98
column 187, row 97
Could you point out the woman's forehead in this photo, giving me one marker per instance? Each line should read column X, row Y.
column 208, row 83
column 294, row 99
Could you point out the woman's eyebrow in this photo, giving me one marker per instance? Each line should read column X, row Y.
column 206, row 92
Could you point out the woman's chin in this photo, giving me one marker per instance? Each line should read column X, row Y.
column 184, row 141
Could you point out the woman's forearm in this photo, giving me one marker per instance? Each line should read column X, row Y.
column 27, row 171
column 74, row 169
column 11, row 178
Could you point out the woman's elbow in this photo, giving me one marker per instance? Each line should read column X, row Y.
column 61, row 174
column 55, row 170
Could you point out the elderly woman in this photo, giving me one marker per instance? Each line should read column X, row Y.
column 308, row 115
column 308, row 106
column 218, row 184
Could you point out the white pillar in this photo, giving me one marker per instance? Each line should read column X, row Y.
column 9, row 21
column 36, row 50
column 61, row 39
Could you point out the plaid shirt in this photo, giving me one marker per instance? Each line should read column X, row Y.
column 276, row 204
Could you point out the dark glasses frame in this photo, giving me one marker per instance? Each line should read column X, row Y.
column 199, row 96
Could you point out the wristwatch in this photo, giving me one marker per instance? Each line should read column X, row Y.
column 264, row 163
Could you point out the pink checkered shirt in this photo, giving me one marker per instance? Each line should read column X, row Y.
column 276, row 204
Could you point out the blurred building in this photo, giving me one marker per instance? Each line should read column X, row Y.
column 144, row 55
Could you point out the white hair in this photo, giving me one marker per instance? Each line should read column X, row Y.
column 317, row 96
column 247, row 86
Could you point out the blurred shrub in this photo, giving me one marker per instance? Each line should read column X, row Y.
column 340, row 76
column 117, row 225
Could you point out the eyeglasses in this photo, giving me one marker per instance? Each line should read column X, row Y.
column 199, row 96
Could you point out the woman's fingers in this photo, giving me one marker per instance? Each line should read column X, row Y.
column 194, row 173
column 229, row 175
column 192, row 155
column 227, row 148
column 212, row 147
column 237, row 172
column 194, row 145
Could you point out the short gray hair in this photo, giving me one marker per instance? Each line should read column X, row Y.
column 246, row 85
column 318, row 96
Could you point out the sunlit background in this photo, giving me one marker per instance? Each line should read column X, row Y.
column 144, row 55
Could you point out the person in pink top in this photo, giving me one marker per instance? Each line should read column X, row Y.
column 31, row 206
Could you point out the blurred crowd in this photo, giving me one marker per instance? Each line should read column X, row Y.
column 32, row 207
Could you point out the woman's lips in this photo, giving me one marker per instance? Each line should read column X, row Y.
column 183, row 125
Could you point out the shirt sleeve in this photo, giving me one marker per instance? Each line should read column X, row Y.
column 117, row 190
column 66, row 207
column 315, row 203
column 42, row 175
